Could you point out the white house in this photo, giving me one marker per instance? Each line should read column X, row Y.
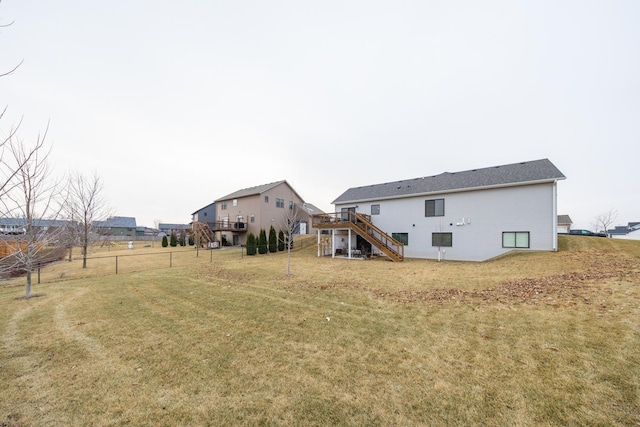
column 564, row 224
column 631, row 231
column 472, row 215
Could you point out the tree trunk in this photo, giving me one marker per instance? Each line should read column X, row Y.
column 28, row 288
column 84, row 256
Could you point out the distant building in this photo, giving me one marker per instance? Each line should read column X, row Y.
column 18, row 226
column 631, row 231
column 252, row 209
column 116, row 226
column 177, row 229
column 564, row 224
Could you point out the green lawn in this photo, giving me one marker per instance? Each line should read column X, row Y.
column 220, row 339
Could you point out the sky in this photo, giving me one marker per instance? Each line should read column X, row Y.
column 176, row 104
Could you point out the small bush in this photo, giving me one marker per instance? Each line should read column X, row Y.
column 173, row 242
column 273, row 240
column 251, row 244
column 165, row 242
column 281, row 240
column 262, row 242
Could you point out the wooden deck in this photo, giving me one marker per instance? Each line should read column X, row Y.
column 361, row 224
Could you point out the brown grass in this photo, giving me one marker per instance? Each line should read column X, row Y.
column 528, row 339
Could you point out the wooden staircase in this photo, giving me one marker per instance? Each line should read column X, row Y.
column 361, row 224
column 203, row 234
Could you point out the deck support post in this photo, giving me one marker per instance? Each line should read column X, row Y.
column 333, row 243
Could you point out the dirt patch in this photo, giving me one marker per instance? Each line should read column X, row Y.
column 32, row 296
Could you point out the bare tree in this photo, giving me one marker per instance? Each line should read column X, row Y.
column 7, row 170
column 605, row 220
column 33, row 197
column 290, row 224
column 84, row 205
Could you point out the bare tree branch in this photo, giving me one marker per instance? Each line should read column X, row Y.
column 605, row 220
column 34, row 199
column 85, row 204
column 8, row 73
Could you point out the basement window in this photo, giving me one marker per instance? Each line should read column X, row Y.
column 442, row 239
column 375, row 209
column 401, row 237
column 515, row 239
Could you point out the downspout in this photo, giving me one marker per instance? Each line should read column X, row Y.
column 333, row 241
column 554, row 237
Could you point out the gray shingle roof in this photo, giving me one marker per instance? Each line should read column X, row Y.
column 252, row 191
column 535, row 171
column 310, row 209
column 117, row 221
column 564, row 219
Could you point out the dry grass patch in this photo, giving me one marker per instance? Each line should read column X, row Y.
column 237, row 342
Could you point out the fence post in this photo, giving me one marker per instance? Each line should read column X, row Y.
column 116, row 264
column 210, row 255
column 170, row 259
column 38, row 274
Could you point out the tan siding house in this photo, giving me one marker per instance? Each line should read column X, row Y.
column 255, row 208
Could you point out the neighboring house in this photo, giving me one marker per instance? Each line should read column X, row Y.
column 631, row 231
column 473, row 215
column 205, row 214
column 564, row 224
column 17, row 226
column 251, row 209
column 142, row 231
column 122, row 226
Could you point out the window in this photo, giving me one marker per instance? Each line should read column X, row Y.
column 235, row 202
column 442, row 239
column 290, row 204
column 401, row 237
column 205, row 214
column 252, row 218
column 434, row 207
column 279, row 203
column 375, row 209
column 515, row 239
column 223, row 206
column 266, row 199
